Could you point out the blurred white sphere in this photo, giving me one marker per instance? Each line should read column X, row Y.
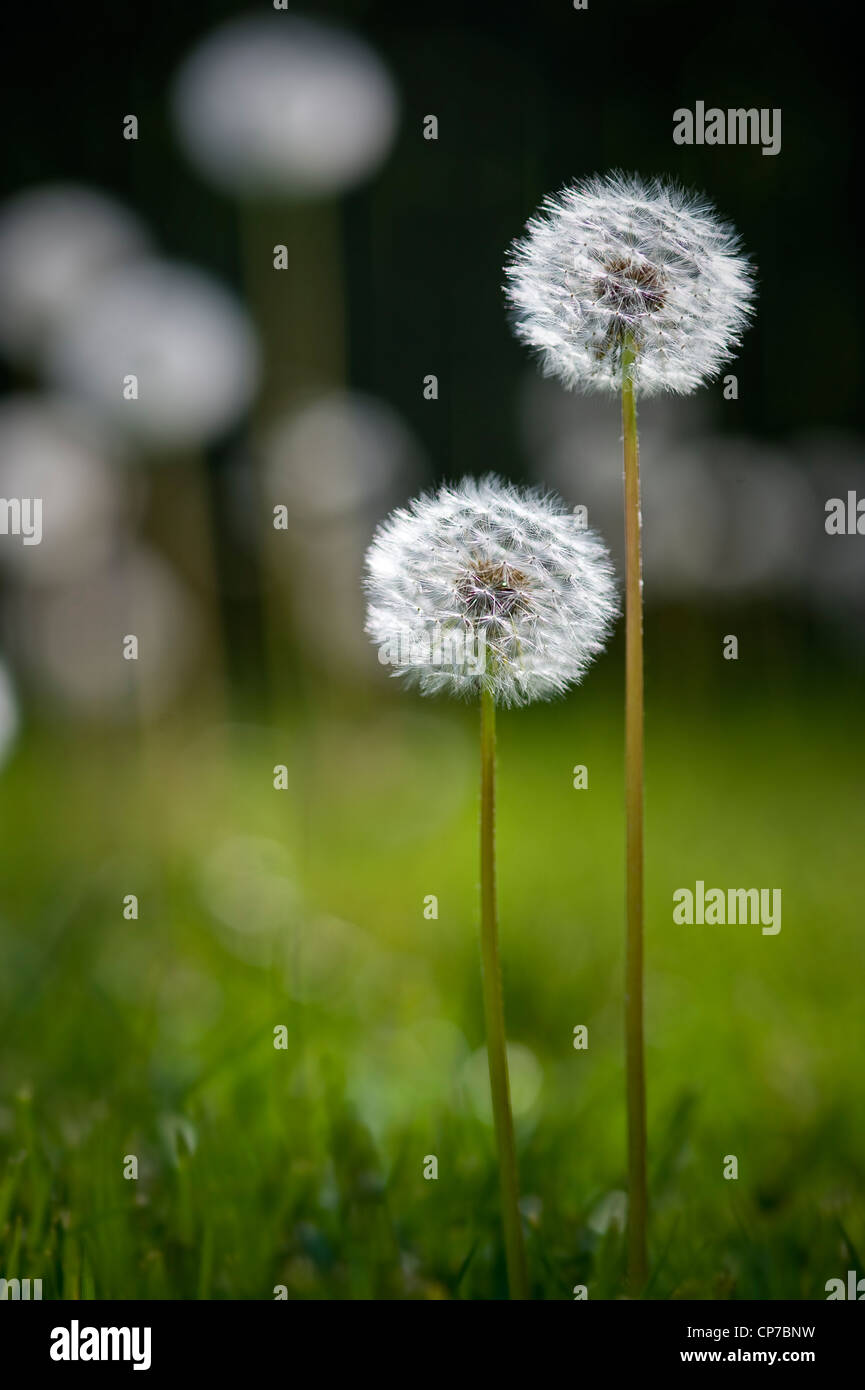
column 526, row 1078
column 8, row 715
column 722, row 514
column 395, row 1074
column 277, row 104
column 336, row 464
column 548, row 415
column 578, row 451
column 835, row 576
column 337, row 455
column 52, row 449
column 55, row 240
column 188, row 342
column 327, row 960
column 248, row 885
column 71, row 639
column 760, row 538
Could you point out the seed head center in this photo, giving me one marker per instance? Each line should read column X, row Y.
column 630, row 287
column 493, row 590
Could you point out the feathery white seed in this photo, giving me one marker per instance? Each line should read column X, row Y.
column 483, row 585
column 614, row 257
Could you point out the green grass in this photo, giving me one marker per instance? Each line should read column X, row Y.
column 303, row 1166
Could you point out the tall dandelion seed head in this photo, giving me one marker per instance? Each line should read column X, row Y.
column 613, row 260
column 483, row 585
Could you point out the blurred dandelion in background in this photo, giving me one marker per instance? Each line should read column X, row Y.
column 334, row 464
column 282, row 105
column 145, row 359
column 69, row 639
column 181, row 333
column 55, row 449
column 725, row 514
column 526, row 1075
column 56, row 241
column 9, row 719
column 341, row 454
column 399, row 1072
column 248, row 885
column 330, row 962
column 286, row 114
column 834, row 464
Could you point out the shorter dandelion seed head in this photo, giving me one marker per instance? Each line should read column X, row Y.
column 615, row 262
column 486, row 586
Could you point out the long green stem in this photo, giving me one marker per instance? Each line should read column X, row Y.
column 635, row 1063
column 494, row 1012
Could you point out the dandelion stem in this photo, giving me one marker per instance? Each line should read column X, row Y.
column 494, row 1012
column 635, row 1064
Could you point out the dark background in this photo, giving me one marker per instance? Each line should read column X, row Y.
column 527, row 99
column 526, row 102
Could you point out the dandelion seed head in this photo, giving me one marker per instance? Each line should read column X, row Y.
column 484, row 585
column 614, row 260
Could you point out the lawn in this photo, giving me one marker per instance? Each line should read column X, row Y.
column 291, row 1028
